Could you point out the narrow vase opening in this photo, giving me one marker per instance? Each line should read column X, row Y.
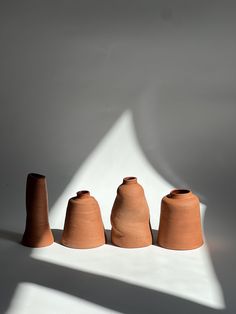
column 36, row 175
column 130, row 180
column 83, row 194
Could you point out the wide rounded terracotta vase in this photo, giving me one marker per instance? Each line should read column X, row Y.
column 83, row 227
column 130, row 218
column 37, row 230
column 180, row 221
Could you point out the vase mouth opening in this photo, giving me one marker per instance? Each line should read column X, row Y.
column 83, row 194
column 130, row 180
column 180, row 192
column 36, row 175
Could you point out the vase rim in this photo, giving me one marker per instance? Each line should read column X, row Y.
column 130, row 180
column 180, row 193
column 83, row 194
column 35, row 175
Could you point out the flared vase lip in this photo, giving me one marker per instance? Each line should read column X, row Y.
column 35, row 175
column 130, row 180
column 179, row 193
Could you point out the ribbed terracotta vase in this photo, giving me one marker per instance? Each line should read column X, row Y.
column 130, row 217
column 37, row 231
column 83, row 227
column 180, row 221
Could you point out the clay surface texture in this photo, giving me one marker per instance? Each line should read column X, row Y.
column 180, row 222
column 83, row 227
column 37, row 231
column 130, row 217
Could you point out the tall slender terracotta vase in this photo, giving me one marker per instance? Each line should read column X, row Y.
column 37, row 231
column 130, row 218
column 180, row 221
column 83, row 227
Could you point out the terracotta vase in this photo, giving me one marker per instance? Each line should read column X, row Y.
column 83, row 227
column 130, row 217
column 180, row 221
column 37, row 231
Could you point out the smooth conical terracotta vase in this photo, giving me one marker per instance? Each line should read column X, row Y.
column 180, row 221
column 83, row 227
column 37, row 231
column 130, row 217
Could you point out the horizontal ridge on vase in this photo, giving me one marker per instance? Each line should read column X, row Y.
column 180, row 221
column 37, row 230
column 83, row 228
column 130, row 218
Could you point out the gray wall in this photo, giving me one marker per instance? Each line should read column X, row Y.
column 68, row 69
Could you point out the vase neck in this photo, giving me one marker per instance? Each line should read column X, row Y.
column 83, row 194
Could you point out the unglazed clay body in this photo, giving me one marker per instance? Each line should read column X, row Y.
column 83, row 227
column 37, row 231
column 130, row 217
column 180, row 221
